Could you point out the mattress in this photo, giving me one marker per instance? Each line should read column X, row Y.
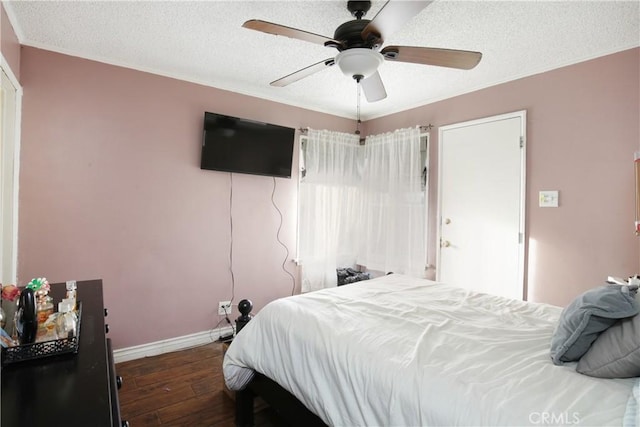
column 402, row 351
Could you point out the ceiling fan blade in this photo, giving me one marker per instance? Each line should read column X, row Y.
column 300, row 74
column 451, row 58
column 294, row 33
column 373, row 88
column 392, row 17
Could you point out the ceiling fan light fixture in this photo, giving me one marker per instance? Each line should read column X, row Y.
column 359, row 62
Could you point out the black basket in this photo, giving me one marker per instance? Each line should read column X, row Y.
column 38, row 350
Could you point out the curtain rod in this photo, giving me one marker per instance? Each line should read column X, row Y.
column 422, row 127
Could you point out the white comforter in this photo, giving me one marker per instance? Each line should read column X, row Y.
column 399, row 351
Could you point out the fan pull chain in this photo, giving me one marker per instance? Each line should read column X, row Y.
column 358, row 108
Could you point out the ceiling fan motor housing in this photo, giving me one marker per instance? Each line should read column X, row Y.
column 350, row 34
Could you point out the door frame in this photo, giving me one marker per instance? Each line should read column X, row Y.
column 4, row 66
column 522, row 115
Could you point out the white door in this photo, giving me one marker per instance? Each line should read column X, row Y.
column 9, row 149
column 481, row 205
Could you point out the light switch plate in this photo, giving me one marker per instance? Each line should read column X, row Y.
column 548, row 199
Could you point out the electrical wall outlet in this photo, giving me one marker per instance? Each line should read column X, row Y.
column 224, row 308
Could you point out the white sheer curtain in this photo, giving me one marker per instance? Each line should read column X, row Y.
column 361, row 204
column 328, row 206
column 392, row 223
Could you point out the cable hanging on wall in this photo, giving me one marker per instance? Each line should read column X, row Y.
column 233, row 279
column 286, row 257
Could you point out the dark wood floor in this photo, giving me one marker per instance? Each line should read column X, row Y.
column 183, row 388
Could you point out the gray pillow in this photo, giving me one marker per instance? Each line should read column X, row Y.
column 587, row 317
column 616, row 352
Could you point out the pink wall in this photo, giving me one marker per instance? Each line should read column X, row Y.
column 583, row 126
column 111, row 188
column 9, row 45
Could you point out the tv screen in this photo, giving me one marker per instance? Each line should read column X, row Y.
column 231, row 144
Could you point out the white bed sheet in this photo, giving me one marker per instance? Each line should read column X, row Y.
column 401, row 351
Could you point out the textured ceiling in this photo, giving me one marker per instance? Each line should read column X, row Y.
column 204, row 42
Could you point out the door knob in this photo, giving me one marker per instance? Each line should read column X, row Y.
column 447, row 221
column 445, row 244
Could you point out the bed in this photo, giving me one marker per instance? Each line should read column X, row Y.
column 402, row 351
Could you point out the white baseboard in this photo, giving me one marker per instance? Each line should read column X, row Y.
column 169, row 345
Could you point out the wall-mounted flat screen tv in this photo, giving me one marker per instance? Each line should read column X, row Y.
column 231, row 144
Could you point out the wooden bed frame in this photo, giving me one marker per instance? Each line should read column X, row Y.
column 286, row 405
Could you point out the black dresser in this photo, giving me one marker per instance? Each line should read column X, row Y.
column 67, row 390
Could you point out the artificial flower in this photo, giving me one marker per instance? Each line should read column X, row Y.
column 39, row 283
column 10, row 292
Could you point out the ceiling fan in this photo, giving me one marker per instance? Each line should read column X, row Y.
column 359, row 44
